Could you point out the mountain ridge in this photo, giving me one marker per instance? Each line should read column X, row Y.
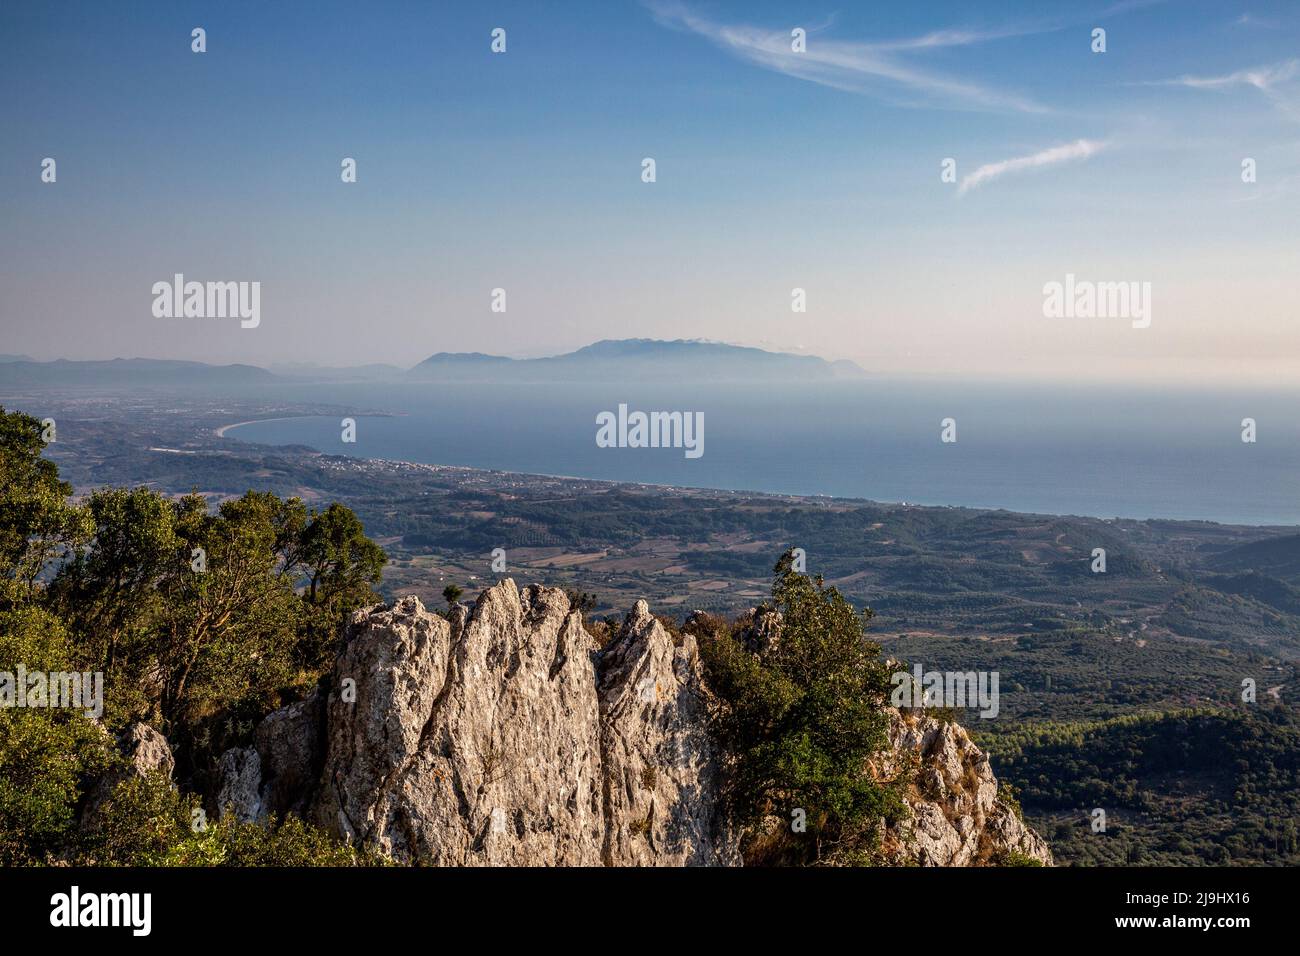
column 608, row 360
column 130, row 371
column 637, row 359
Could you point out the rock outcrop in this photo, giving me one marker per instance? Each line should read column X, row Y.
column 661, row 774
column 503, row 735
column 956, row 815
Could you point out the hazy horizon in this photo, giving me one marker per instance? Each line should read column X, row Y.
column 818, row 170
column 1210, row 380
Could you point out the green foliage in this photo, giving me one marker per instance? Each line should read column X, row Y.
column 139, row 824
column 1009, row 794
column 201, row 622
column 581, row 601
column 147, row 822
column 288, row 843
column 800, row 719
column 341, row 566
column 36, row 521
column 1016, row 858
column 207, row 620
column 452, row 594
column 45, row 754
column 1180, row 788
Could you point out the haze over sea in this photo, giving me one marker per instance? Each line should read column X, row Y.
column 1137, row 453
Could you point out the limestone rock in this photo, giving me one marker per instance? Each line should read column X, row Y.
column 239, row 791
column 502, row 735
column 474, row 747
column 660, row 766
column 956, row 815
column 278, row 773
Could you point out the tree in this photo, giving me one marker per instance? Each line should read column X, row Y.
column 110, row 589
column 341, row 566
column 208, row 620
column 800, row 717
column 45, row 753
column 226, row 633
column 581, row 601
column 202, row 622
column 37, row 523
column 451, row 593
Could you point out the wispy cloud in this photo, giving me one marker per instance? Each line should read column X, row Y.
column 1265, row 78
column 869, row 68
column 882, row 68
column 1250, row 20
column 939, row 39
column 1268, row 79
column 1079, row 149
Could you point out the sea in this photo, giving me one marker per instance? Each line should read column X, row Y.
column 1099, row 451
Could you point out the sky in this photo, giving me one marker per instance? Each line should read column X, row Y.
column 775, row 169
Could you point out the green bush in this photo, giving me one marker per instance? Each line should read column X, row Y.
column 147, row 822
column 201, row 623
column 799, row 720
column 45, row 753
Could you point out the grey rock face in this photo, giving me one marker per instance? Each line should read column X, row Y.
column 278, row 774
column 146, row 750
column 661, row 772
column 239, row 791
column 500, row 737
column 474, row 747
column 957, row 818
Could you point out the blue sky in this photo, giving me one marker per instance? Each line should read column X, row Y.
column 775, row 170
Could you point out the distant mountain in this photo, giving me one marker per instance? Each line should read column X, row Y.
column 375, row 372
column 620, row 360
column 126, row 372
column 611, row 360
column 452, row 363
column 15, row 358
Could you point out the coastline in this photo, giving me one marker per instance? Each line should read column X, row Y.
column 807, row 497
column 220, row 431
column 822, row 499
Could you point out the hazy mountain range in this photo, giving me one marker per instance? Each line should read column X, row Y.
column 606, row 361
column 134, row 371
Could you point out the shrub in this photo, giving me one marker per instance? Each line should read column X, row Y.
column 45, row 753
column 799, row 720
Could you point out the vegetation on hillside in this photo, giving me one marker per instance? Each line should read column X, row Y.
column 203, row 655
column 1201, row 786
column 200, row 622
column 800, row 716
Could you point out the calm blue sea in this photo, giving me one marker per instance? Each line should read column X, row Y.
column 1103, row 452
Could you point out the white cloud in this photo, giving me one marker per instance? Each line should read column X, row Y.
column 876, row 68
column 1079, row 149
column 1267, row 79
column 1264, row 78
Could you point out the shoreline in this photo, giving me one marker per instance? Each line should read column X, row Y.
column 220, row 432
